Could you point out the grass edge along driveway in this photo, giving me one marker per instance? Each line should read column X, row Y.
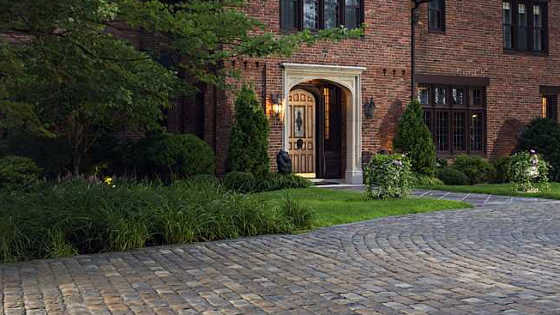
column 498, row 189
column 335, row 207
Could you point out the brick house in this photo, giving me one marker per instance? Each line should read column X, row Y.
column 483, row 70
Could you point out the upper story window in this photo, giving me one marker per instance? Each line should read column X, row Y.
column 524, row 25
column 436, row 15
column 320, row 14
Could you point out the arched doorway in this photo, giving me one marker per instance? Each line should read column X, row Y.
column 317, row 129
column 348, row 78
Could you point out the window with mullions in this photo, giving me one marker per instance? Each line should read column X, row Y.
column 320, row 14
column 436, row 15
column 456, row 116
column 524, row 25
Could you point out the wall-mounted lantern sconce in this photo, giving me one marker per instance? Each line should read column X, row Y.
column 369, row 108
column 275, row 106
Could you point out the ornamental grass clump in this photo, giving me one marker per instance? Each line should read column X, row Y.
column 528, row 172
column 388, row 176
column 81, row 217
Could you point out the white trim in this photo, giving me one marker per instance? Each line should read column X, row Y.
column 346, row 76
column 329, row 68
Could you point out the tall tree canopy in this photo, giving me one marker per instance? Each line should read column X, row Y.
column 64, row 72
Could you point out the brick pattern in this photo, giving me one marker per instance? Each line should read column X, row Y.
column 472, row 45
column 448, row 262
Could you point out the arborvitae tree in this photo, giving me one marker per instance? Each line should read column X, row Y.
column 249, row 136
column 415, row 139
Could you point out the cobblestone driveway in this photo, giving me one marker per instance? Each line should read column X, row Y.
column 488, row 260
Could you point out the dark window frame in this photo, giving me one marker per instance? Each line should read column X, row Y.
column 442, row 120
column 528, row 46
column 441, row 11
column 299, row 18
column 551, row 106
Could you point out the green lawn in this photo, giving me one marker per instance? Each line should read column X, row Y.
column 498, row 189
column 333, row 207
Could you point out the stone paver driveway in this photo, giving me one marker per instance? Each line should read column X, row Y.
column 503, row 259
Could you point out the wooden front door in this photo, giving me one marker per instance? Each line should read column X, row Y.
column 302, row 131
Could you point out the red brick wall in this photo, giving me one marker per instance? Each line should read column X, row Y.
column 472, row 46
column 384, row 51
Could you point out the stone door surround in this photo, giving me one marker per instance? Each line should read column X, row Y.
column 349, row 78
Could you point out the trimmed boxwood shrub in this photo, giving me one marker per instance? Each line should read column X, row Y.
column 248, row 148
column 414, row 138
column 543, row 136
column 425, row 180
column 477, row 169
column 18, row 172
column 173, row 156
column 246, row 182
column 452, row 176
column 388, row 176
column 276, row 181
column 243, row 182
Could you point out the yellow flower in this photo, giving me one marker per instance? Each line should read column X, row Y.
column 108, row 180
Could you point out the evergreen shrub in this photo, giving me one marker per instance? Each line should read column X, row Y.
column 543, row 136
column 173, row 156
column 477, row 169
column 18, row 172
column 414, row 138
column 248, row 148
column 452, row 176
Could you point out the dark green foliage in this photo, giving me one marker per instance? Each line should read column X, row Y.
column 543, row 136
column 248, row 148
column 452, row 176
column 83, row 217
column 205, row 179
column 425, row 180
column 243, row 182
column 247, row 182
column 173, row 156
column 414, row 138
column 52, row 155
column 276, row 181
column 441, row 163
column 502, row 166
column 477, row 169
column 18, row 172
column 299, row 215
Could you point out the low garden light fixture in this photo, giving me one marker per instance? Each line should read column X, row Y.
column 369, row 108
